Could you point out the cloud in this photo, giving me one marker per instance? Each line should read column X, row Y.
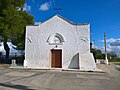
column 116, row 43
column 111, row 40
column 46, row 6
column 26, row 8
column 113, row 44
column 37, row 23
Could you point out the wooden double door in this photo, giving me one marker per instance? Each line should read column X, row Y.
column 56, row 58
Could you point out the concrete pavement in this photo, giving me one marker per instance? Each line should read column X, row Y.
column 23, row 79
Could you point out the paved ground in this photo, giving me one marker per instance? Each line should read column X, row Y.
column 19, row 79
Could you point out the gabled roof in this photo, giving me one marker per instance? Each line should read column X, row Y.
column 64, row 20
column 70, row 21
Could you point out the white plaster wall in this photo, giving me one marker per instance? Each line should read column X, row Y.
column 37, row 49
column 87, row 62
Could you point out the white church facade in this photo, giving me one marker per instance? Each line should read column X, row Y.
column 59, row 43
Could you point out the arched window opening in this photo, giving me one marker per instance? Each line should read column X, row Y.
column 55, row 39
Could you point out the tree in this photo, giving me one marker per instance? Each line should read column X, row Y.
column 19, row 41
column 112, row 55
column 12, row 22
column 97, row 53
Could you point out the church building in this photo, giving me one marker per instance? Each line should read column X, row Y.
column 59, row 44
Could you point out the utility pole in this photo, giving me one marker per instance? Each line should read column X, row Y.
column 105, row 48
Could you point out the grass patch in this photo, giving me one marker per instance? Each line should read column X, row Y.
column 115, row 60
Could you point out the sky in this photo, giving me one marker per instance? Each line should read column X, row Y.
column 103, row 16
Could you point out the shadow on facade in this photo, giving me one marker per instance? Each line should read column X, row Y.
column 74, row 64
